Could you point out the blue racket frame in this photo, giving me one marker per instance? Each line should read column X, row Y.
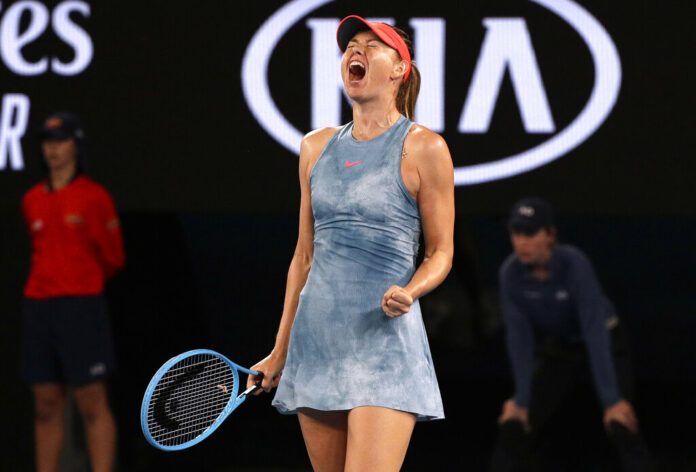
column 235, row 399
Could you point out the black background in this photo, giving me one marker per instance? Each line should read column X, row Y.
column 208, row 204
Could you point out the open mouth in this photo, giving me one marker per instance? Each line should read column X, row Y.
column 356, row 71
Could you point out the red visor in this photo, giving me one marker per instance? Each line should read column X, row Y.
column 353, row 24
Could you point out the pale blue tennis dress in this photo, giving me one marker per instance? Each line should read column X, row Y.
column 344, row 350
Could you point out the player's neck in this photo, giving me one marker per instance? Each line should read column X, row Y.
column 60, row 177
column 540, row 273
column 542, row 267
column 372, row 118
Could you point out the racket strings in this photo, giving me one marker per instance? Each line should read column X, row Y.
column 194, row 405
column 188, row 399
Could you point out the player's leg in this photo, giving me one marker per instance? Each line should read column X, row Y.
column 100, row 427
column 40, row 368
column 377, row 439
column 87, row 358
column 324, row 433
column 49, row 400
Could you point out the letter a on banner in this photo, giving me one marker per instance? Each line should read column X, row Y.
column 507, row 45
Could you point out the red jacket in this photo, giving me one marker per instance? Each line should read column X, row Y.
column 75, row 237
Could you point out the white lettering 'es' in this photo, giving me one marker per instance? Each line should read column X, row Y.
column 507, row 47
column 73, row 36
column 13, row 39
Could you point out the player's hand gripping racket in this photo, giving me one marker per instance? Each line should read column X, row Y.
column 189, row 397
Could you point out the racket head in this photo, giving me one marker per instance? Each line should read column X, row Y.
column 189, row 397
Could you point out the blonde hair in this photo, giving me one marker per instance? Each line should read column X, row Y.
column 408, row 91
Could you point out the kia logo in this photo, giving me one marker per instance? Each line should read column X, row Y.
column 507, row 47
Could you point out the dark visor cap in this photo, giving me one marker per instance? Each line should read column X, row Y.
column 63, row 125
column 529, row 215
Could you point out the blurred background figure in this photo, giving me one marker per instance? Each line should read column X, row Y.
column 562, row 331
column 66, row 340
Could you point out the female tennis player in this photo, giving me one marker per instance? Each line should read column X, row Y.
column 355, row 361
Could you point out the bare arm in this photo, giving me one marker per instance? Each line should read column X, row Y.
column 301, row 261
column 273, row 364
column 430, row 176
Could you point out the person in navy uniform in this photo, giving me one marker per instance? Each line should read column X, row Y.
column 561, row 330
column 76, row 246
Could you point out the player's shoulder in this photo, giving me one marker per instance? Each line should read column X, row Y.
column 429, row 152
column 427, row 148
column 36, row 189
column 92, row 188
column 35, row 193
column 572, row 260
column 422, row 138
column 87, row 183
column 318, row 138
column 313, row 144
column 569, row 253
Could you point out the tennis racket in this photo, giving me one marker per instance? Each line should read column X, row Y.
column 189, row 397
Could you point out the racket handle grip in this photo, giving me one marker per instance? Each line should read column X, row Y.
column 257, row 385
column 253, row 388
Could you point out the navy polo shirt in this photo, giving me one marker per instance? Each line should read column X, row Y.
column 569, row 305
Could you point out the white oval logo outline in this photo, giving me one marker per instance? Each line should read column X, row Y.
column 602, row 99
column 255, row 71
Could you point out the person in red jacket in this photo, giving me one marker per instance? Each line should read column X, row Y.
column 66, row 340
